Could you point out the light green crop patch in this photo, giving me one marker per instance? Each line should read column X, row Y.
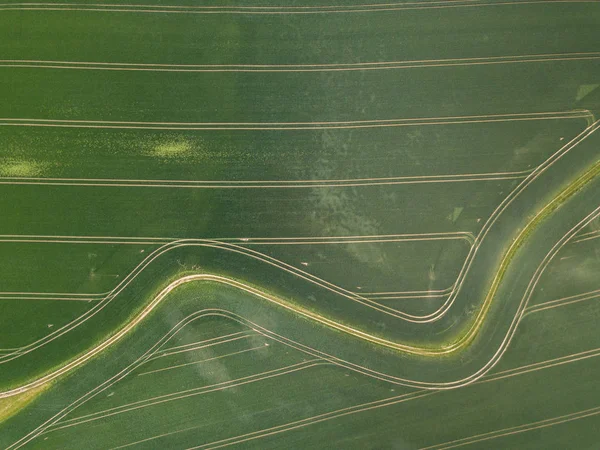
column 173, row 149
column 12, row 168
column 12, row 405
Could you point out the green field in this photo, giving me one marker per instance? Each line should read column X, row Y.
column 299, row 225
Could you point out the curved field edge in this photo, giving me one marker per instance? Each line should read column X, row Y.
column 461, row 341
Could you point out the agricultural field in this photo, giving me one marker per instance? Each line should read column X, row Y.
column 300, row 225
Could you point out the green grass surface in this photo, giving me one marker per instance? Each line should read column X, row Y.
column 312, row 153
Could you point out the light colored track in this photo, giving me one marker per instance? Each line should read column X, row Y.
column 192, row 348
column 563, row 301
column 501, row 3
column 223, row 246
column 266, row 184
column 300, row 240
column 580, row 356
column 188, row 393
column 258, row 126
column 62, row 299
column 589, row 233
column 516, row 430
column 400, row 295
column 587, row 236
column 275, row 10
column 340, row 67
column 52, row 296
column 191, row 344
column 193, row 363
column 313, row 420
column 419, row 293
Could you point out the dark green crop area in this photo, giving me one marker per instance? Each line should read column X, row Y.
column 266, row 225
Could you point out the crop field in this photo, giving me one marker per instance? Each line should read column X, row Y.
column 300, row 224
